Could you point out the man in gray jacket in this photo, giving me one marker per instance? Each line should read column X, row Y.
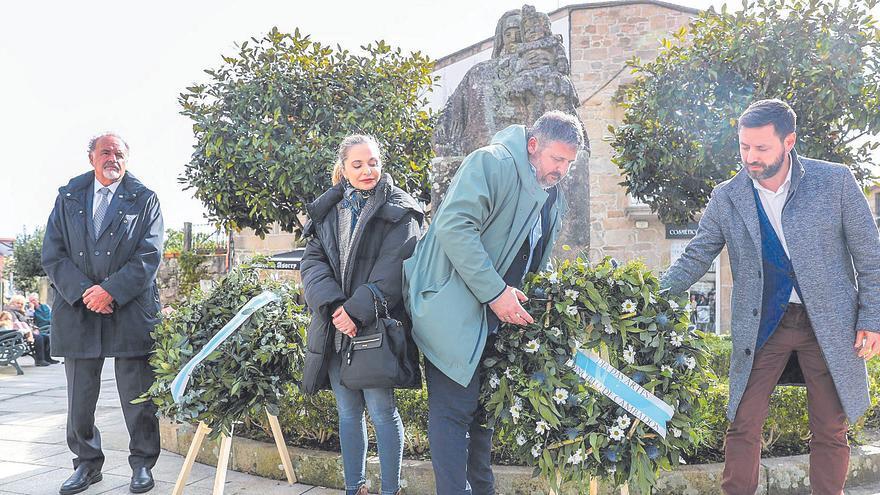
column 101, row 252
column 798, row 233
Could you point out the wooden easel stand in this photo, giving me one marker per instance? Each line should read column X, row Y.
column 223, row 458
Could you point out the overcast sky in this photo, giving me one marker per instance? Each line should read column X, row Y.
column 71, row 69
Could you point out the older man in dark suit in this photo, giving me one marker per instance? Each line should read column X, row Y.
column 101, row 252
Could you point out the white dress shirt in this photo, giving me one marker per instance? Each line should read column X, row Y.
column 97, row 197
column 773, row 203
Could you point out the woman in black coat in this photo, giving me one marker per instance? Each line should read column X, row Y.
column 360, row 232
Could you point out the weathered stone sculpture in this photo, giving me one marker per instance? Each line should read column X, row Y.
column 527, row 76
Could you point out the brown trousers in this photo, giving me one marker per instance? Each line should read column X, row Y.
column 829, row 450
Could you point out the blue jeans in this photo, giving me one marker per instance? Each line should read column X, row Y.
column 461, row 446
column 353, row 432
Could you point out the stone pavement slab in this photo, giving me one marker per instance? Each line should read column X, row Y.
column 35, row 460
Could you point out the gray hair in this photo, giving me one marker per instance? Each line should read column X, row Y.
column 94, row 140
column 558, row 126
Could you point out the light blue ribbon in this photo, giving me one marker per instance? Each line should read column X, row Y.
column 618, row 387
column 178, row 386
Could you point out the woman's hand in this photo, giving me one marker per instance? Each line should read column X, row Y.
column 343, row 322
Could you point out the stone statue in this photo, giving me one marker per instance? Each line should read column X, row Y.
column 527, row 76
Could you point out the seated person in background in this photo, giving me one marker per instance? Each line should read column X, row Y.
column 39, row 341
column 42, row 313
column 5, row 323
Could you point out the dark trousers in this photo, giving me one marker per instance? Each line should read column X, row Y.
column 133, row 377
column 41, row 347
column 829, row 450
column 461, row 446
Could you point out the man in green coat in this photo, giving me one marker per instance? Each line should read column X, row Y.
column 498, row 221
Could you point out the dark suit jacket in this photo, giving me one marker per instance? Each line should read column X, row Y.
column 123, row 259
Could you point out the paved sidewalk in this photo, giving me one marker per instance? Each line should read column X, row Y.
column 35, row 460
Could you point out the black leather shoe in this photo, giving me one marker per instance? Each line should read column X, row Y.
column 41, row 363
column 80, row 480
column 52, row 361
column 141, row 480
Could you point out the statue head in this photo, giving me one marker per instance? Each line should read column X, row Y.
column 507, row 33
column 535, row 25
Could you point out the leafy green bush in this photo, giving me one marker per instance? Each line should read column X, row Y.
column 268, row 122
column 25, row 265
column 679, row 134
column 247, row 373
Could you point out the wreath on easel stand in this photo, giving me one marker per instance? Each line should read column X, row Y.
column 604, row 384
column 224, row 357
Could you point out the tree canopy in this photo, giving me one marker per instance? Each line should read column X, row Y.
column 679, row 135
column 268, row 124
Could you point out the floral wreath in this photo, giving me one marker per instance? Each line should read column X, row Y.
column 551, row 418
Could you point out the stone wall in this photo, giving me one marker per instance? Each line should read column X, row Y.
column 168, row 276
column 602, row 40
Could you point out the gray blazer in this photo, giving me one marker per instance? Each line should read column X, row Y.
column 831, row 238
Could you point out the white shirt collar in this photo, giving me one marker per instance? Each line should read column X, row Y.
column 112, row 187
column 783, row 187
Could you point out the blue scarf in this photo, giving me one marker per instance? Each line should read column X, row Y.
column 355, row 200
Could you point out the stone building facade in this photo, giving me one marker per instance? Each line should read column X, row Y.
column 600, row 38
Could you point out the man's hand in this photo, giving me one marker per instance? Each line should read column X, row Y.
column 98, row 300
column 508, row 308
column 868, row 344
column 343, row 322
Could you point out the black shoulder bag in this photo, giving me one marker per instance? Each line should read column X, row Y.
column 381, row 357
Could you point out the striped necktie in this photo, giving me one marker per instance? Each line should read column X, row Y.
column 101, row 209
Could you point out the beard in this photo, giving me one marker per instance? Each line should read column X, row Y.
column 766, row 171
column 112, row 172
column 549, row 180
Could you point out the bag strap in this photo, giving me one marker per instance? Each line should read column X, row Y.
column 377, row 299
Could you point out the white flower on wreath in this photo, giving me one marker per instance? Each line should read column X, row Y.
column 532, row 347
column 629, row 355
column 652, row 299
column 508, row 373
column 615, row 433
column 628, row 306
column 573, row 294
column 623, row 422
column 556, row 332
column 536, row 450
column 571, row 310
column 690, row 362
column 576, row 458
column 520, row 440
column 609, row 329
column 542, row 427
column 675, row 432
column 494, row 381
column 515, row 411
column 612, row 469
column 664, row 368
column 553, row 278
column 560, row 396
column 674, row 305
column 611, row 281
column 676, row 339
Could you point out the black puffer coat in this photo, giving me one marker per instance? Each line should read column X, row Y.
column 385, row 237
